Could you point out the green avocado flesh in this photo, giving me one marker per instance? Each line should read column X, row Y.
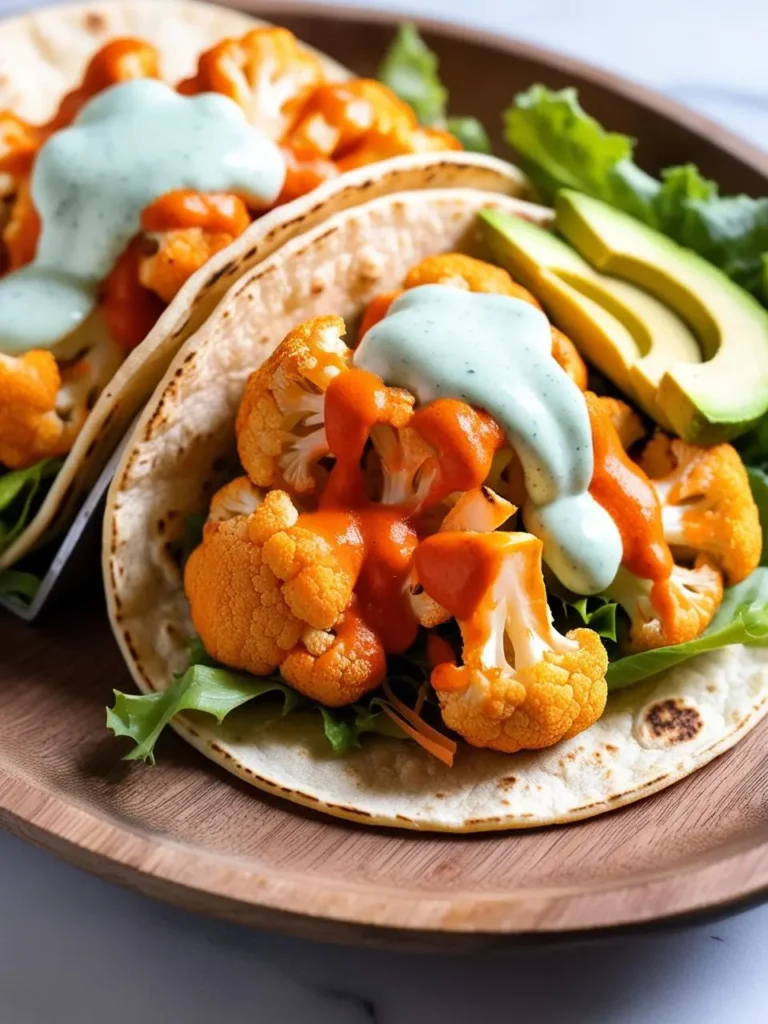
column 705, row 402
column 627, row 334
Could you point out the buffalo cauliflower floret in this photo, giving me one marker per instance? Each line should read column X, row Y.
column 236, row 601
column 266, row 72
column 460, row 271
column 339, row 666
column 480, row 510
column 30, row 426
column 670, row 611
column 626, row 422
column 521, row 685
column 267, row 592
column 318, row 570
column 281, row 422
column 707, row 504
column 22, row 229
column 237, row 498
column 130, row 311
column 182, row 231
column 19, row 143
column 446, row 446
column 121, row 60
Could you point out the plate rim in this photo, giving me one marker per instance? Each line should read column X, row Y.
column 207, row 881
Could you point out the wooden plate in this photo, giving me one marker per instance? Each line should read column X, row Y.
column 189, row 833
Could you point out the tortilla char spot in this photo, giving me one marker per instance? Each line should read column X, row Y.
column 94, row 23
column 228, row 268
column 711, row 688
column 505, row 803
column 507, row 782
column 440, row 796
column 192, row 732
column 611, row 748
column 668, row 723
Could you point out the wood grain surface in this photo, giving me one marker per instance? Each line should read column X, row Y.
column 186, row 832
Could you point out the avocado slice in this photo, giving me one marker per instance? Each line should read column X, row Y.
column 629, row 335
column 722, row 396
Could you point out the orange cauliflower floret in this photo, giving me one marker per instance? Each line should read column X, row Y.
column 22, row 230
column 480, row 510
column 318, row 570
column 19, row 143
column 30, row 427
column 446, row 446
column 267, row 593
column 626, row 422
column 281, row 425
column 237, row 498
column 183, row 230
column 707, row 503
column 521, row 685
column 362, row 122
column 670, row 611
column 121, row 60
column 236, row 601
column 460, row 271
column 267, row 72
column 337, row 667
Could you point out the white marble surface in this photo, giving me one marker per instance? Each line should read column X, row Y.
column 76, row 950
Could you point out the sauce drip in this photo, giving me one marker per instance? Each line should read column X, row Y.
column 377, row 542
column 626, row 493
column 494, row 352
column 127, row 147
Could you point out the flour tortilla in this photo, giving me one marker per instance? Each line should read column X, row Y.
column 182, row 448
column 48, row 50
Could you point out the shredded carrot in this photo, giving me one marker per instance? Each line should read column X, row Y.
column 418, row 723
column 442, row 753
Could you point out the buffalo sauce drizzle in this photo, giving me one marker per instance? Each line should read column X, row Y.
column 376, row 543
column 626, row 493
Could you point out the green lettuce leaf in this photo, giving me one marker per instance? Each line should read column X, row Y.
column 758, row 481
column 742, row 618
column 215, row 691
column 470, row 133
column 23, row 585
column 339, row 731
column 598, row 613
column 411, row 70
column 561, row 146
column 19, row 489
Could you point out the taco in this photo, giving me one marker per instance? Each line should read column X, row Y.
column 149, row 154
column 428, row 527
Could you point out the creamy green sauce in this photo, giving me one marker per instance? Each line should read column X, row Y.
column 495, row 353
column 128, row 146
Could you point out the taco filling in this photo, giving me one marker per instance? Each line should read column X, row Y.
column 452, row 485
column 131, row 187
